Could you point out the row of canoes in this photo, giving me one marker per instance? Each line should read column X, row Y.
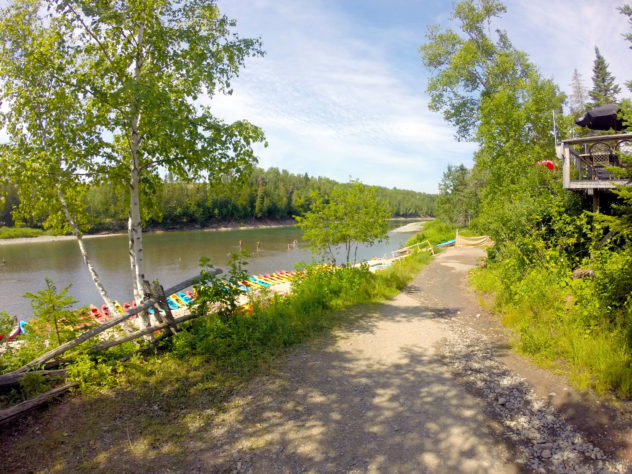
column 175, row 301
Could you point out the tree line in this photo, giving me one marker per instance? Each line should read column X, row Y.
column 265, row 194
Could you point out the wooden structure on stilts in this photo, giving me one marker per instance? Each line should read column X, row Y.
column 587, row 162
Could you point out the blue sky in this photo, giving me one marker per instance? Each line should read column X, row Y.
column 341, row 90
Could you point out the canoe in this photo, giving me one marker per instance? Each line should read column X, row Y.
column 269, row 281
column 446, row 243
column 259, row 282
column 118, row 307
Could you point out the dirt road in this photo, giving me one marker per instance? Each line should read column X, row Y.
column 410, row 388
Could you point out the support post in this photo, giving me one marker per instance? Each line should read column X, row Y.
column 596, row 202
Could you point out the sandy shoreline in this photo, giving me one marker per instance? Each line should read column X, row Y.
column 214, row 228
column 218, row 228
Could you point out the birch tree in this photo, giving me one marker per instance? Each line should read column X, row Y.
column 53, row 139
column 145, row 71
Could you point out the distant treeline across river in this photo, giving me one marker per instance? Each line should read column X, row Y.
column 270, row 194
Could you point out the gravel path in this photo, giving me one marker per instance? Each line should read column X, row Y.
column 410, row 388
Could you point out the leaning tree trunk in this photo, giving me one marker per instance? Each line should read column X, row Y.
column 84, row 254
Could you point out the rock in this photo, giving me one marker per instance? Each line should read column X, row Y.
column 583, row 273
column 546, row 454
column 501, row 401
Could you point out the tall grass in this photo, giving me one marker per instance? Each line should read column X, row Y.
column 437, row 232
column 230, row 349
column 563, row 323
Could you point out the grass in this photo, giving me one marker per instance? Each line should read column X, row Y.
column 135, row 419
column 17, row 232
column 437, row 232
column 561, row 324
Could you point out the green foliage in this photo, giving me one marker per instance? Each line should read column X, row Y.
column 90, row 372
column 604, row 90
column 348, row 216
column 315, row 305
column 52, row 319
column 434, row 231
column 220, row 293
column 270, row 194
column 458, row 198
column 18, row 232
column 33, row 384
column 6, row 323
column 570, row 324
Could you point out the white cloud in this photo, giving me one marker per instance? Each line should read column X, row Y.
column 342, row 96
column 333, row 104
column 561, row 36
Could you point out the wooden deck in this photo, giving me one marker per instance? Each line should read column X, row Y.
column 585, row 161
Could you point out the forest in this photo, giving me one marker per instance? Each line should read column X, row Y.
column 560, row 273
column 265, row 194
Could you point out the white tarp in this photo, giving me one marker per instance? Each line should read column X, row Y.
column 482, row 241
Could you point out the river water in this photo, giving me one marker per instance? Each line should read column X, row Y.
column 170, row 257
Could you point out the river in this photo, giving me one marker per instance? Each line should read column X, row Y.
column 170, row 257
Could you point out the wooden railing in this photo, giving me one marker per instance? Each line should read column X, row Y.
column 586, row 160
column 403, row 252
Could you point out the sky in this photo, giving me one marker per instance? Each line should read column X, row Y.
column 340, row 91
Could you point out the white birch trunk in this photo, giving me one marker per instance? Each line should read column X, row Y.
column 84, row 254
column 135, row 234
column 134, row 227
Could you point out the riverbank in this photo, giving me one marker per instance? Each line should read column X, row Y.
column 226, row 226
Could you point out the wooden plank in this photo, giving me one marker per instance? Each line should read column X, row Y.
column 15, row 378
column 601, row 184
column 566, row 167
column 130, row 337
column 10, row 413
column 159, row 292
column 598, row 138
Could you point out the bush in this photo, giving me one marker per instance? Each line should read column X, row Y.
column 434, row 231
column 581, row 327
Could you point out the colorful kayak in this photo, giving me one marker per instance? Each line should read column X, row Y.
column 184, row 297
column 179, row 301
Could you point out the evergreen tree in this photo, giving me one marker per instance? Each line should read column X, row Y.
column 579, row 95
column 604, row 89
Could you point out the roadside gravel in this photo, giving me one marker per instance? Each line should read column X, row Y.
column 545, row 442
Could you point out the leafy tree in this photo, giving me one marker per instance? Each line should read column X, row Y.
column 492, row 93
column 458, row 200
column 350, row 215
column 6, row 324
column 136, row 70
column 620, row 223
column 53, row 138
column 604, row 90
